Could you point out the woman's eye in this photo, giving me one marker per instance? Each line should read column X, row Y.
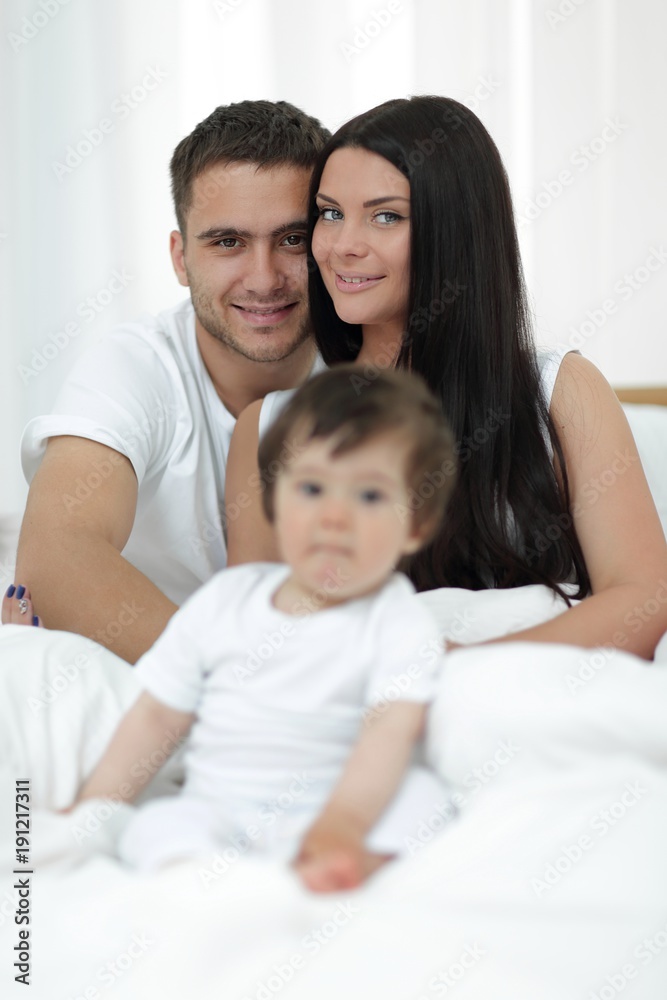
column 331, row 214
column 386, row 218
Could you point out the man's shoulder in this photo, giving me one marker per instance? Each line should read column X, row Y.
column 171, row 330
column 144, row 355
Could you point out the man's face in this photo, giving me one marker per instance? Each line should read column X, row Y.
column 244, row 258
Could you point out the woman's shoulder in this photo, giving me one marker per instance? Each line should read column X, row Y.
column 583, row 398
column 549, row 362
column 268, row 408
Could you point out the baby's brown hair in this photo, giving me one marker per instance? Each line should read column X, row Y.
column 353, row 407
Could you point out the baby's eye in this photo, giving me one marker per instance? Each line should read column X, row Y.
column 309, row 489
column 372, row 496
column 331, row 214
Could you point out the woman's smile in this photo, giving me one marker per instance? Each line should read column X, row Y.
column 347, row 284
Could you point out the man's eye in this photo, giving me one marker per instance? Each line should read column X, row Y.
column 229, row 243
column 295, row 240
column 331, row 214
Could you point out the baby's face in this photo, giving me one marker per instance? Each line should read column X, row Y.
column 343, row 522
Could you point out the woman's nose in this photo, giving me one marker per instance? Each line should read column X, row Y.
column 350, row 240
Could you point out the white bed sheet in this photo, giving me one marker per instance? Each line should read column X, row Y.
column 506, row 901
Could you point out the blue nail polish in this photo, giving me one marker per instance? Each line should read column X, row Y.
column 20, row 592
column 35, row 620
column 10, row 592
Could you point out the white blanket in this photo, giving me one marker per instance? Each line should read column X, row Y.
column 550, row 882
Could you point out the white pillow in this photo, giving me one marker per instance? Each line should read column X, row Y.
column 467, row 616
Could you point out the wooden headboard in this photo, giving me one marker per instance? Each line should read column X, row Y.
column 657, row 395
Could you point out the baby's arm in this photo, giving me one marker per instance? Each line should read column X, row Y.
column 333, row 855
column 141, row 732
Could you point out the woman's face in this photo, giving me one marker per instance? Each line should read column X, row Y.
column 361, row 240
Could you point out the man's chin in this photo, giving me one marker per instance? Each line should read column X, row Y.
column 270, row 345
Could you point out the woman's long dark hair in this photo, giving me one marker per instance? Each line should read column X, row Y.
column 469, row 335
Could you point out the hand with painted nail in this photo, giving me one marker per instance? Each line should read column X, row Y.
column 17, row 608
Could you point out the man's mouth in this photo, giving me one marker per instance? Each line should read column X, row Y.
column 266, row 315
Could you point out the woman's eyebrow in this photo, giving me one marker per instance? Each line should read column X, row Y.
column 381, row 201
column 367, row 204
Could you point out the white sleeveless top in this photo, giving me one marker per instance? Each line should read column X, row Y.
column 548, row 361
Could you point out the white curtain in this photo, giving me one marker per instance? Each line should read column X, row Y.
column 96, row 96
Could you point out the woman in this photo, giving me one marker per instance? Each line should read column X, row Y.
column 414, row 262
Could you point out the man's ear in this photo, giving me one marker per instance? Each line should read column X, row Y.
column 177, row 251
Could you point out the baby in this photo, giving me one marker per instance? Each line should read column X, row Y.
column 327, row 662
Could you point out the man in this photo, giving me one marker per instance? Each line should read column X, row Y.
column 133, row 458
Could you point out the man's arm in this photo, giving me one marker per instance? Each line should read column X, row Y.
column 332, row 854
column 69, row 550
column 140, row 733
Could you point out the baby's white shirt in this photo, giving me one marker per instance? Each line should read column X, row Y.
column 280, row 697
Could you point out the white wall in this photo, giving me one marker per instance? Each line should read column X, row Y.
column 545, row 76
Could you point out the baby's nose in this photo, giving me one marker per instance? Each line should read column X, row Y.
column 335, row 511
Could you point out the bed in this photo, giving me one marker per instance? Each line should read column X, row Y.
column 546, row 881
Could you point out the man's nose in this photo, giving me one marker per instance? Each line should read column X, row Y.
column 264, row 273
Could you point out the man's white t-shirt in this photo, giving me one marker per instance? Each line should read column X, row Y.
column 144, row 391
column 277, row 693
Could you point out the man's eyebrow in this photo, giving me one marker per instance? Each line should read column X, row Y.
column 367, row 204
column 229, row 232
column 223, row 234
column 290, row 227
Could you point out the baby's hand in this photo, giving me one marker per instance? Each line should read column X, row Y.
column 331, row 860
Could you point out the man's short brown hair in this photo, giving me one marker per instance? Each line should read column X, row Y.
column 267, row 133
column 346, row 404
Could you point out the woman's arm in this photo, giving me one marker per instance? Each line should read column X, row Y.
column 615, row 519
column 148, row 727
column 250, row 537
column 332, row 854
